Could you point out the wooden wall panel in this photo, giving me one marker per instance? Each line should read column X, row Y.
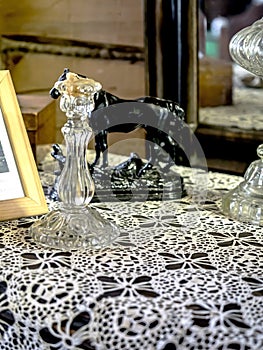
column 118, row 22
column 38, row 72
column 103, row 39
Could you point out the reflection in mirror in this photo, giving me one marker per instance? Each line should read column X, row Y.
column 230, row 98
column 219, row 21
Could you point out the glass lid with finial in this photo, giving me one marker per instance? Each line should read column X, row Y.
column 245, row 202
column 246, row 48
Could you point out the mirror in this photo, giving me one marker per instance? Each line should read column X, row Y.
column 218, row 22
column 230, row 98
column 187, row 60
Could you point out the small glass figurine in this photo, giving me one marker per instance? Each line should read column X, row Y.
column 75, row 225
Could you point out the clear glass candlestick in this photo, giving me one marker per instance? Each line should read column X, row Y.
column 75, row 225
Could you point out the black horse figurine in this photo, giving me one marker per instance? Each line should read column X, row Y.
column 161, row 119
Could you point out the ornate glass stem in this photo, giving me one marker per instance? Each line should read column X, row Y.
column 75, row 186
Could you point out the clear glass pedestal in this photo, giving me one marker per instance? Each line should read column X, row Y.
column 74, row 228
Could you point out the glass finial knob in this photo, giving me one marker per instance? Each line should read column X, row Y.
column 260, row 151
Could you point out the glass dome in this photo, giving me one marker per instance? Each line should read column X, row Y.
column 246, row 48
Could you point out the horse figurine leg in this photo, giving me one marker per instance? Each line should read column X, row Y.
column 101, row 147
column 150, row 159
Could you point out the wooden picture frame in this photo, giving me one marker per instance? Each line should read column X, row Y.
column 21, row 192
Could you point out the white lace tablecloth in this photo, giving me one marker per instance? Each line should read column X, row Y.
column 246, row 113
column 180, row 277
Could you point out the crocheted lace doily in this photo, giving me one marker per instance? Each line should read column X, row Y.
column 180, row 276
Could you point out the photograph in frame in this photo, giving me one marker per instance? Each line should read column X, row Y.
column 21, row 192
column 10, row 184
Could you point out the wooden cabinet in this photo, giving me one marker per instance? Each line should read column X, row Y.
column 230, row 135
column 39, row 114
column 229, row 150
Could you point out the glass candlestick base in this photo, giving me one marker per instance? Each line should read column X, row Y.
column 70, row 229
column 75, row 225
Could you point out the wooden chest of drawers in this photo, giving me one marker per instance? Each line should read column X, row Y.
column 39, row 114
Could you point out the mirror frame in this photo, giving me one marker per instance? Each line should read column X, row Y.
column 171, row 68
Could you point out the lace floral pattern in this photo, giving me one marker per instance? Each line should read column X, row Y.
column 180, row 277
